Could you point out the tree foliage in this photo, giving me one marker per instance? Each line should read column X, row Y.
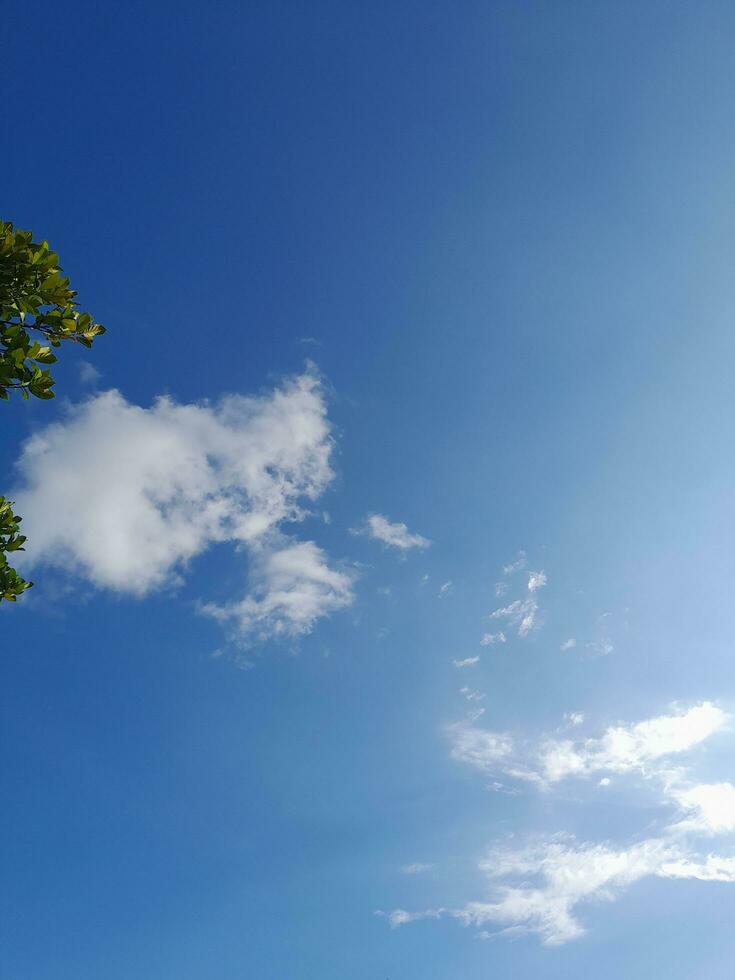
column 38, row 311
column 11, row 583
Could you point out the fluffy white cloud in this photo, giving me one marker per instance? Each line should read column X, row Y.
column 536, row 581
column 711, row 807
column 394, row 535
column 292, row 587
column 127, row 495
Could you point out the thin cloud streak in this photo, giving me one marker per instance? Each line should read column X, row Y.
column 392, row 535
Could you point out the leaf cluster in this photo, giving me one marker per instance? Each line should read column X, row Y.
column 11, row 583
column 38, row 311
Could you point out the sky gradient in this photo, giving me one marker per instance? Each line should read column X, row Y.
column 383, row 546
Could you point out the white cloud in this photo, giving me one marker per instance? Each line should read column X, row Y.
column 623, row 748
column 479, row 747
column 711, row 807
column 574, row 718
column 515, row 566
column 553, row 878
column 399, row 917
column 393, row 535
column 127, row 495
column 467, row 662
column 490, row 639
column 569, row 644
column 417, row 868
column 602, row 647
column 446, row 589
column 523, row 613
column 88, row 373
column 501, row 588
column 471, row 695
column 538, row 888
column 713, row 868
column 293, row 586
column 536, row 581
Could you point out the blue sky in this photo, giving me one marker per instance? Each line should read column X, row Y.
column 420, row 334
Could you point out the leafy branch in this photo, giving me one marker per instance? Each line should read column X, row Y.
column 11, row 583
column 35, row 296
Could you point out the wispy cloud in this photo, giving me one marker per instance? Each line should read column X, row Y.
column 570, row 874
column 620, row 749
column 471, row 695
column 490, row 639
column 479, row 747
column 292, row 587
column 446, row 589
column 602, row 645
column 88, row 373
column 540, row 887
column 393, row 535
column 399, row 917
column 523, row 613
column 467, row 662
column 623, row 748
column 574, row 718
column 516, row 565
column 417, row 868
